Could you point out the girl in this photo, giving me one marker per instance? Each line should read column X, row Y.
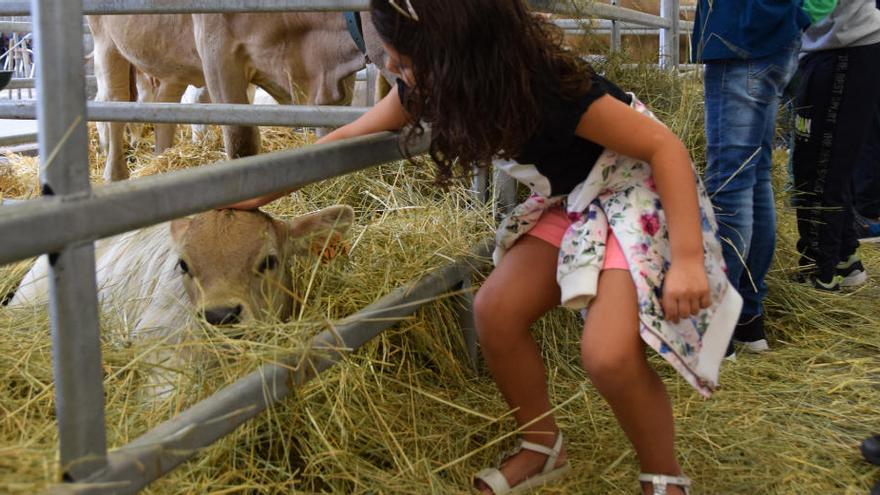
column 494, row 83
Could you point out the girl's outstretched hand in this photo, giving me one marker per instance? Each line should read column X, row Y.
column 254, row 203
column 685, row 289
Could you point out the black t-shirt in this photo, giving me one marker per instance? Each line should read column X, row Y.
column 555, row 159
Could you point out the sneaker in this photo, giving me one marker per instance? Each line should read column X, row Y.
column 852, row 271
column 832, row 285
column 750, row 332
column 730, row 353
column 867, row 229
column 871, row 449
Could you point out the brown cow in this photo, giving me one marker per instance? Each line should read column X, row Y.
column 295, row 57
column 225, row 267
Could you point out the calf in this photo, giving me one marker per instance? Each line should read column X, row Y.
column 226, row 266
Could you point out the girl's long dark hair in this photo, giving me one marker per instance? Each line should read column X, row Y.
column 479, row 66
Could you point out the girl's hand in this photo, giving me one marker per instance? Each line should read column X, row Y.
column 685, row 289
column 254, row 203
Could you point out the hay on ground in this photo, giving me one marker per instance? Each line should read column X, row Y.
column 406, row 414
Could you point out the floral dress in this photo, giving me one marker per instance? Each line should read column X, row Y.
column 619, row 193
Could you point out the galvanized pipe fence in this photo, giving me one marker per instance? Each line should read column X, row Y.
column 71, row 216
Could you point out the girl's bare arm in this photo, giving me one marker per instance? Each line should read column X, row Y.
column 386, row 115
column 614, row 125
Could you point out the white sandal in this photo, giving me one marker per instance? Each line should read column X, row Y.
column 661, row 481
column 496, row 481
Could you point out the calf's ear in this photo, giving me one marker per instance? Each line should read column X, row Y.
column 179, row 228
column 316, row 232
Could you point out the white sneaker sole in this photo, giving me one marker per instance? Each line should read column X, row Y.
column 855, row 279
column 869, row 240
column 757, row 346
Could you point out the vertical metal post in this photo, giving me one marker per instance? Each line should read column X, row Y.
column 504, row 191
column 480, row 183
column 669, row 37
column 64, row 170
column 466, row 321
column 372, row 74
column 615, row 33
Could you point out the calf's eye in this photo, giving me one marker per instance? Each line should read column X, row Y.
column 269, row 263
column 183, row 267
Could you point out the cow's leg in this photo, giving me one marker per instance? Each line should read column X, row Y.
column 227, row 80
column 145, row 87
column 168, row 93
column 112, row 74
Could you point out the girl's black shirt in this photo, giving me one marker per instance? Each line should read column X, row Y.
column 555, row 159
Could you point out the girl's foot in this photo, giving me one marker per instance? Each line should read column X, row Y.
column 675, row 485
column 521, row 466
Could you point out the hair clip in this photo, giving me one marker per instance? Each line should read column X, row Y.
column 409, row 13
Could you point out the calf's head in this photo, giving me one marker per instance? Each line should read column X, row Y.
column 234, row 263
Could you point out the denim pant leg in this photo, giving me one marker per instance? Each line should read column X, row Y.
column 741, row 105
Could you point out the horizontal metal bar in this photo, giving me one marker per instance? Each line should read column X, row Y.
column 22, row 83
column 22, row 7
column 577, row 8
column 600, row 25
column 16, row 27
column 166, row 446
column 587, row 8
column 202, row 113
column 48, row 224
column 26, row 27
column 16, row 139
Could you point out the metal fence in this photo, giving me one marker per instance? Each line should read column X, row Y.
column 71, row 216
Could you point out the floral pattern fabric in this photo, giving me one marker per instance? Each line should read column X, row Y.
column 620, row 195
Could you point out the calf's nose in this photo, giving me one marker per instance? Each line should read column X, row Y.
column 229, row 315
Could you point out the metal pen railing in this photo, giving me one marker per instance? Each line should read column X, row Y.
column 71, row 216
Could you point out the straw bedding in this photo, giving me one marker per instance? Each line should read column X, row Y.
column 407, row 415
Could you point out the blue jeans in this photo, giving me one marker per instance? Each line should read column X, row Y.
column 742, row 97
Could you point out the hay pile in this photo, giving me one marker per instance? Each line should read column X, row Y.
column 406, row 414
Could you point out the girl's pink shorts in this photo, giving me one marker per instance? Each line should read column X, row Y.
column 552, row 226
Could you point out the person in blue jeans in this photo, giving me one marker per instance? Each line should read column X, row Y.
column 749, row 48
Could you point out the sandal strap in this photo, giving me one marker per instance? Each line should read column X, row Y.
column 551, row 453
column 494, row 479
column 660, row 482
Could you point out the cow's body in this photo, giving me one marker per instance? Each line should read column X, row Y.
column 295, row 57
column 159, row 280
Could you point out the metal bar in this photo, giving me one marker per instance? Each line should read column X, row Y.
column 202, row 113
column 467, row 322
column 605, row 25
column 503, row 190
column 168, row 445
column 123, row 206
column 615, row 32
column 16, row 27
column 579, row 8
column 480, row 183
column 73, row 308
column 21, row 7
column 371, row 77
column 26, row 83
column 587, row 8
column 22, row 83
column 16, row 139
column 670, row 36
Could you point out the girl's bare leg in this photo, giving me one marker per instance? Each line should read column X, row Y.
column 614, row 357
column 521, row 289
